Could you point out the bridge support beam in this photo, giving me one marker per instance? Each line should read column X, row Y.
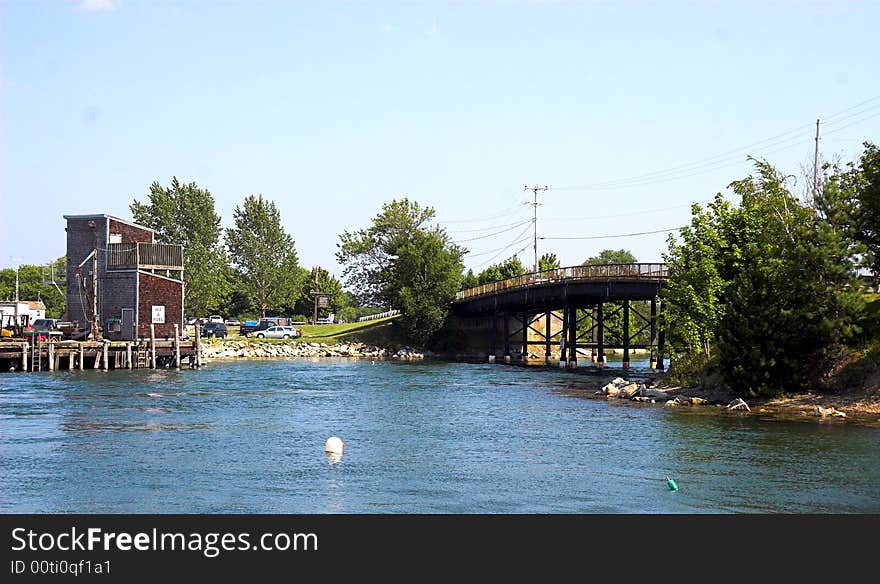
column 525, row 336
column 626, row 338
column 572, row 338
column 506, row 318
column 494, row 335
column 562, row 336
column 661, row 342
column 653, row 333
column 593, row 329
column 547, row 335
column 600, row 336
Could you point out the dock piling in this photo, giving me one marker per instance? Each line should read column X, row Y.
column 152, row 345
column 176, row 346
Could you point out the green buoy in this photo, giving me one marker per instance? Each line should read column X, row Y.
column 671, row 484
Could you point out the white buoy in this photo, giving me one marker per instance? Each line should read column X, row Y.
column 334, row 445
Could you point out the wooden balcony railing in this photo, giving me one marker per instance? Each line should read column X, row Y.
column 571, row 274
column 150, row 256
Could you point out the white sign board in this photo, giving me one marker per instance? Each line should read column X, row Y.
column 158, row 315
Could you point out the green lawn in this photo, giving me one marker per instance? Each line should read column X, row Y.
column 375, row 332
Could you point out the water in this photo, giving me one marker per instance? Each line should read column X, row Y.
column 248, row 437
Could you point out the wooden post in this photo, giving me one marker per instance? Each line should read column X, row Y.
column 24, row 356
column 593, row 335
column 51, row 357
column 506, row 318
column 626, row 334
column 128, row 355
column 548, row 334
column 572, row 339
column 525, row 336
column 97, row 359
column 153, row 345
column 70, row 357
column 493, row 351
column 563, row 361
column 198, row 355
column 600, row 336
column 661, row 340
column 653, row 333
column 82, row 357
column 176, row 346
column 106, row 345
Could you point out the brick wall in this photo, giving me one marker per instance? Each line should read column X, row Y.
column 130, row 233
column 81, row 240
column 158, row 291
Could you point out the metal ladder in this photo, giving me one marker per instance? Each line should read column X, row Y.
column 36, row 354
column 141, row 359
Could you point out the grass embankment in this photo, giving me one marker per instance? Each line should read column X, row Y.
column 379, row 332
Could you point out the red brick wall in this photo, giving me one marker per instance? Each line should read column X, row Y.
column 130, row 233
column 156, row 291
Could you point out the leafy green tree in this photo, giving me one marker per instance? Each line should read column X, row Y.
column 402, row 262
column 319, row 279
column 185, row 214
column 31, row 285
column 695, row 287
column 611, row 256
column 509, row 268
column 548, row 261
column 469, row 280
column 263, row 255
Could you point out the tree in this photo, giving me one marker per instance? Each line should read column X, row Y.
column 509, row 268
column 263, row 255
column 368, row 254
column 469, row 280
column 402, row 262
column 32, row 286
column 320, row 280
column 769, row 283
column 548, row 261
column 611, row 256
column 185, row 214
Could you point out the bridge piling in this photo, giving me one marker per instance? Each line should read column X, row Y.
column 572, row 338
column 626, row 337
column 600, row 335
column 494, row 349
column 506, row 318
column 661, row 341
column 653, row 333
column 548, row 335
column 525, row 336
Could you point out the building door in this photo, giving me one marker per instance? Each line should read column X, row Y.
column 129, row 332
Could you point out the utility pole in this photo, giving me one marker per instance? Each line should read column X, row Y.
column 816, row 168
column 535, row 204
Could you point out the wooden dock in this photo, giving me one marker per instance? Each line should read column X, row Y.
column 23, row 355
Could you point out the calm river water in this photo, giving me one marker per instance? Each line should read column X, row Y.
column 248, row 437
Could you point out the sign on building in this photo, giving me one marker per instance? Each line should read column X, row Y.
column 323, row 301
column 158, row 315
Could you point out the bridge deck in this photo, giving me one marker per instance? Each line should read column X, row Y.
column 574, row 285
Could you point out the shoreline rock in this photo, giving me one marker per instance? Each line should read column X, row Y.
column 248, row 349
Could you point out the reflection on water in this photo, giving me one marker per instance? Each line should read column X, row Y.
column 248, row 437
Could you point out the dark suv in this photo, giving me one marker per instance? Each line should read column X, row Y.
column 214, row 329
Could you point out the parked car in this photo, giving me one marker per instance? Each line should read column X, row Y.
column 215, row 329
column 324, row 320
column 215, row 318
column 252, row 326
column 233, row 322
column 45, row 324
column 277, row 332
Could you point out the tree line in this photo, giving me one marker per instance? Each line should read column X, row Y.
column 766, row 293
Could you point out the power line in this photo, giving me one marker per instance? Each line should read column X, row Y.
column 518, row 239
column 480, row 229
column 780, row 141
column 616, row 235
column 495, row 233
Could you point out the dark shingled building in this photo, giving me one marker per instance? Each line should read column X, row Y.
column 139, row 281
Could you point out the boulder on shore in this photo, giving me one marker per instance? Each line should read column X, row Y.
column 738, row 404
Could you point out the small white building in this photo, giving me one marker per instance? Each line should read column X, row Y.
column 32, row 309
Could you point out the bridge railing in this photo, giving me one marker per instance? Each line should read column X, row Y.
column 640, row 271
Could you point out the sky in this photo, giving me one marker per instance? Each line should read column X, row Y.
column 627, row 111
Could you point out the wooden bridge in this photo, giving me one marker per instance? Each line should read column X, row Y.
column 609, row 306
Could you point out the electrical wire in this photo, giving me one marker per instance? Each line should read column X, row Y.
column 528, row 221
column 518, row 239
column 775, row 143
column 616, row 235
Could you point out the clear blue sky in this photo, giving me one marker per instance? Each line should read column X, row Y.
column 331, row 109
